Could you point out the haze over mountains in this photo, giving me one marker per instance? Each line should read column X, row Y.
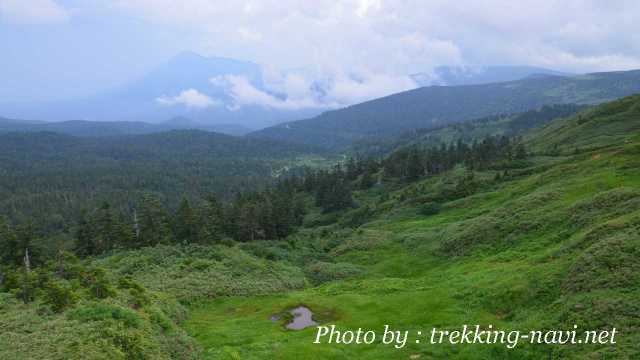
column 230, row 95
column 435, row 106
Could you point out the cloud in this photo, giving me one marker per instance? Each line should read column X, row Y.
column 190, row 98
column 244, row 93
column 33, row 12
column 299, row 90
column 402, row 37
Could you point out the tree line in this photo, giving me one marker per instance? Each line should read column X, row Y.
column 272, row 213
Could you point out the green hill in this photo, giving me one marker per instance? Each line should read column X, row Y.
column 469, row 131
column 617, row 122
column 435, row 106
column 543, row 240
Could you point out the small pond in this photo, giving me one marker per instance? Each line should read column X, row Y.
column 302, row 318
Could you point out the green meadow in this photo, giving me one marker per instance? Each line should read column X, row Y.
column 551, row 245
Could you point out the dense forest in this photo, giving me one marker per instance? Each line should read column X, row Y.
column 273, row 213
column 52, row 177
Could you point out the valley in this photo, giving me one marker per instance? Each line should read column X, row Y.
column 547, row 241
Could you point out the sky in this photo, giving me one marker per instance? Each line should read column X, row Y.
column 59, row 49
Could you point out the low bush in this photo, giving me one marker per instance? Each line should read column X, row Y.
column 321, row 272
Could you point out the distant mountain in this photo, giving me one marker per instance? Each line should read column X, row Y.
column 435, row 106
column 475, row 75
column 165, row 93
column 83, row 128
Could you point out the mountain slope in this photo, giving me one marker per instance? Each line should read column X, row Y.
column 474, row 75
column 139, row 100
column 614, row 123
column 509, row 125
column 545, row 247
column 436, row 106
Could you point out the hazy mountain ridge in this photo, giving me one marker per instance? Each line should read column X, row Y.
column 160, row 95
column 115, row 128
column 435, row 106
column 475, row 75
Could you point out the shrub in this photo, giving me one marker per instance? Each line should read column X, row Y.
column 58, row 295
column 321, row 272
column 430, row 208
column 105, row 312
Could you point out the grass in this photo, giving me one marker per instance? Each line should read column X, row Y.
column 521, row 254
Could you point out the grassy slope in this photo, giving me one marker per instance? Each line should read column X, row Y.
column 548, row 247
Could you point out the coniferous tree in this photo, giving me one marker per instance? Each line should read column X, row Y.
column 10, row 252
column 414, row 169
column 212, row 221
column 185, row 223
column 520, row 152
column 153, row 222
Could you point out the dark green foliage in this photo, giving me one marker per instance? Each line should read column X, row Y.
column 59, row 295
column 412, row 163
column 152, row 221
column 429, row 208
column 100, row 312
column 211, row 220
column 466, row 184
column 185, row 225
column 321, row 272
column 101, row 231
column 9, row 247
column 52, row 178
column 96, row 282
column 137, row 291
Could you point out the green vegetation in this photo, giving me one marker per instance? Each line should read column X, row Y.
column 54, row 178
column 510, row 125
column 436, row 106
column 534, row 237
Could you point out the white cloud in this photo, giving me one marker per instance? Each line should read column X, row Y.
column 401, row 37
column 294, row 91
column 190, row 98
column 244, row 93
column 249, row 35
column 33, row 12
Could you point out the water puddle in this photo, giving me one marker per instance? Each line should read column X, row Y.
column 302, row 318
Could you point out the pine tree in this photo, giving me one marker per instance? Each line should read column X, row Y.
column 212, row 221
column 153, row 222
column 10, row 253
column 414, row 169
column 84, row 237
column 521, row 152
column 185, row 223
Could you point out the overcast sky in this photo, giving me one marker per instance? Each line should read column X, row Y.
column 66, row 48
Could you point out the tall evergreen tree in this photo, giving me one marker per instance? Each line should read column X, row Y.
column 10, row 252
column 211, row 221
column 153, row 222
column 185, row 223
